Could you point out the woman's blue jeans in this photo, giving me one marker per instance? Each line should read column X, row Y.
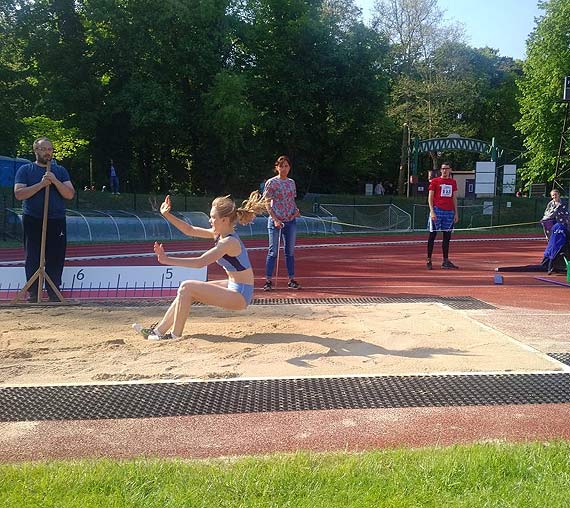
column 288, row 237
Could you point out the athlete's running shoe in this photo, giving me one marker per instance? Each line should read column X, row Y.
column 159, row 336
column 448, row 265
column 145, row 332
column 293, row 284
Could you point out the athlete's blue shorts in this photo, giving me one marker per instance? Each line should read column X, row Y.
column 246, row 290
column 444, row 220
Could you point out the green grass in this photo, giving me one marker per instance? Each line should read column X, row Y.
column 484, row 475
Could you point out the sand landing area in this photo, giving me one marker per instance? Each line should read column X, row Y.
column 93, row 343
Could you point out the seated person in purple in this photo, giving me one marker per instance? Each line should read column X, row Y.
column 551, row 212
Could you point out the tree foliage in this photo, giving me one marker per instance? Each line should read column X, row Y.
column 318, row 87
column 202, row 96
column 442, row 86
column 67, row 142
column 548, row 61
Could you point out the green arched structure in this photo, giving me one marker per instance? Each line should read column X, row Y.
column 453, row 143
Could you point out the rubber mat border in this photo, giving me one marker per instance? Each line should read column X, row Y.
column 454, row 302
column 561, row 357
column 83, row 402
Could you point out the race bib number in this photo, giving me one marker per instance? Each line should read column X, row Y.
column 445, row 191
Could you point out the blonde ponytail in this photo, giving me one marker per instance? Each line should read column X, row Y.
column 246, row 213
column 251, row 207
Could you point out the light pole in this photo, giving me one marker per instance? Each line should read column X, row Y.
column 408, row 143
column 403, row 159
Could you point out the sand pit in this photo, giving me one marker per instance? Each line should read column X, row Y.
column 90, row 343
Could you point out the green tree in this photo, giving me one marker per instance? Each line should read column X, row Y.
column 201, row 96
column 12, row 82
column 51, row 90
column 415, row 29
column 156, row 61
column 67, row 142
column 423, row 96
column 57, row 60
column 497, row 109
column 542, row 113
column 442, row 86
column 318, row 83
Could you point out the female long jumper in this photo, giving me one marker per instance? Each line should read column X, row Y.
column 236, row 292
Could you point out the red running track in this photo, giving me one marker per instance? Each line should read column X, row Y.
column 367, row 266
column 329, row 267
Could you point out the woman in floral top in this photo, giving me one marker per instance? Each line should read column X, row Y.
column 281, row 192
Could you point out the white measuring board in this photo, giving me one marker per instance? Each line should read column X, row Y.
column 112, row 277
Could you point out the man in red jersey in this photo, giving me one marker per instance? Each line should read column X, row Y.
column 442, row 200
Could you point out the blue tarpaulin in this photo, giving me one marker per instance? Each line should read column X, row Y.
column 8, row 168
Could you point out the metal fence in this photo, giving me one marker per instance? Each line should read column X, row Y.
column 322, row 214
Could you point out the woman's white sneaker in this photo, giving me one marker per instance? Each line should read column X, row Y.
column 159, row 336
column 145, row 332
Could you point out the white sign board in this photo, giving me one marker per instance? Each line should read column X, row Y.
column 485, row 177
column 111, row 277
column 509, row 178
